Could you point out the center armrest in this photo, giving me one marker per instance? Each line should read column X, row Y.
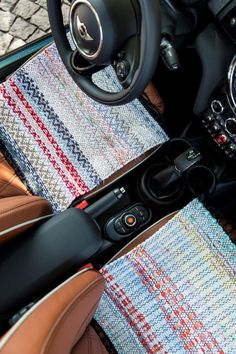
column 31, row 266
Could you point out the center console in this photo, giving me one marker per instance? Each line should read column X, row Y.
column 219, row 119
column 97, row 227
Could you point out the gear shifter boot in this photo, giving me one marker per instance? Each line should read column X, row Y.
column 166, row 181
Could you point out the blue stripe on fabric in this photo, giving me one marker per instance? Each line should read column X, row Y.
column 36, row 98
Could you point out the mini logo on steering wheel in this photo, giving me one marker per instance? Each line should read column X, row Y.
column 83, row 32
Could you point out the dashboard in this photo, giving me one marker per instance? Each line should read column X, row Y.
column 220, row 117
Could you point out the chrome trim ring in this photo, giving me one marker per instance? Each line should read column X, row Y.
column 73, row 6
column 230, row 94
column 220, row 105
column 232, row 120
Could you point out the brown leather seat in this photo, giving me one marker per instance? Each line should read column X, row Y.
column 10, row 183
column 60, row 322
column 19, row 213
column 18, row 208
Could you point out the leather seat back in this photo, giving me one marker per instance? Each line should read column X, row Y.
column 19, row 213
column 10, row 183
column 57, row 322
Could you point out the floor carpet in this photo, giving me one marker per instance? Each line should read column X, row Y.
column 63, row 143
column 176, row 292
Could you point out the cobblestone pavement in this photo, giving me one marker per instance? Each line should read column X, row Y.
column 23, row 21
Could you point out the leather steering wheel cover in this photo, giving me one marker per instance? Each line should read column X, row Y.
column 149, row 53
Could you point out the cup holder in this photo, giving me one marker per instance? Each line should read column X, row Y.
column 200, row 179
column 179, row 174
column 152, row 191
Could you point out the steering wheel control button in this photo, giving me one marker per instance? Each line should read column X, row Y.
column 130, row 220
column 122, row 69
column 232, row 22
column 217, row 107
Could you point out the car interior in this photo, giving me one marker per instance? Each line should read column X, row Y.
column 118, row 181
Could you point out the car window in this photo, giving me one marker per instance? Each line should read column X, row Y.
column 23, row 21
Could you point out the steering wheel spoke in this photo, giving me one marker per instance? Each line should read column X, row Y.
column 81, row 66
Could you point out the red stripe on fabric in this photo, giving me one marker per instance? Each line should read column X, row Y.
column 64, row 159
column 190, row 330
column 120, row 156
column 71, row 187
column 134, row 317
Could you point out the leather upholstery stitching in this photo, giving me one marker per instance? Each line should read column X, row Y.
column 9, row 211
column 9, row 183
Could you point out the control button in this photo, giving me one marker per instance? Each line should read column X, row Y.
column 214, row 129
column 217, row 107
column 208, row 119
column 232, row 148
column 130, row 220
column 230, row 126
column 232, row 22
column 122, row 70
column 221, row 139
column 120, row 228
column 231, row 151
column 141, row 212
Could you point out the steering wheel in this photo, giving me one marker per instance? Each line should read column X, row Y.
column 122, row 33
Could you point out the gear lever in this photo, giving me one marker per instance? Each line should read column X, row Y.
column 166, row 181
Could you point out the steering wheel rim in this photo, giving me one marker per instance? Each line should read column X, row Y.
column 150, row 36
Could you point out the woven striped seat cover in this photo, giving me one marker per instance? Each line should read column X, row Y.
column 176, row 292
column 63, row 143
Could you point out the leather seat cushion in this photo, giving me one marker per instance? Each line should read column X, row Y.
column 57, row 322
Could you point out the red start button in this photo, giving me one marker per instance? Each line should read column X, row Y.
column 221, row 139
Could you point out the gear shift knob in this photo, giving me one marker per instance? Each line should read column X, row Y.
column 187, row 159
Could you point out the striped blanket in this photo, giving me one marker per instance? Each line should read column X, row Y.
column 176, row 292
column 63, row 143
